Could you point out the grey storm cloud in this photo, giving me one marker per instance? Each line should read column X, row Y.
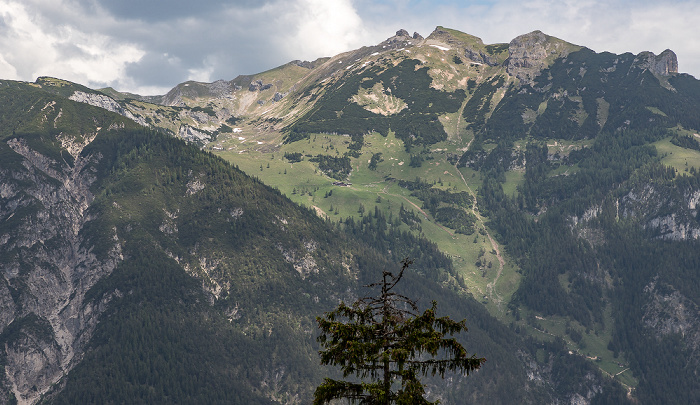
column 209, row 40
column 159, row 10
column 157, row 70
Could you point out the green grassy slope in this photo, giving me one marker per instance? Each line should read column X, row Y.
column 482, row 147
column 220, row 278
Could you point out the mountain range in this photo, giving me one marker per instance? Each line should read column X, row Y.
column 177, row 248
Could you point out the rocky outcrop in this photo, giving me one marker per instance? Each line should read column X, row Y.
column 400, row 40
column 671, row 214
column 304, row 64
column 219, row 88
column 194, row 135
column 479, row 56
column 108, row 103
column 403, row 33
column 668, row 312
column 529, row 54
column 665, row 64
column 45, row 322
column 670, row 227
column 258, row 85
column 195, row 90
column 199, row 117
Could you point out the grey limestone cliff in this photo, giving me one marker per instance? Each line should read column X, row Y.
column 47, row 269
column 664, row 64
column 109, row 104
column 669, row 214
column 668, row 312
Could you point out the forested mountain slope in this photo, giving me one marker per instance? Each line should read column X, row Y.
column 139, row 269
column 556, row 185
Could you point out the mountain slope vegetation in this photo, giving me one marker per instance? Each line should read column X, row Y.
column 547, row 193
column 140, row 269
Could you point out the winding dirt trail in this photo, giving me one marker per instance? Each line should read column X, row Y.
column 490, row 287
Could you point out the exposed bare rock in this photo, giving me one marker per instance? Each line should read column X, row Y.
column 479, row 57
column 103, row 101
column 668, row 312
column 529, row 54
column 665, row 64
column 303, row 262
column 402, row 33
column 48, row 319
column 672, row 217
column 401, row 40
column 219, row 88
column 32, row 361
column 198, row 116
column 194, row 90
column 304, row 63
column 194, row 186
column 671, row 227
column 258, row 85
column 193, row 135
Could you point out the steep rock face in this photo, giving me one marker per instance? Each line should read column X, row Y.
column 102, row 101
column 665, row 64
column 44, row 322
column 668, row 312
column 402, row 33
column 529, row 54
column 479, row 57
column 670, row 216
column 194, row 135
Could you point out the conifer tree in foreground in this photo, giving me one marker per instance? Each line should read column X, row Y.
column 384, row 342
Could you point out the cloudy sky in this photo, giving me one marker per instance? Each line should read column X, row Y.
column 149, row 46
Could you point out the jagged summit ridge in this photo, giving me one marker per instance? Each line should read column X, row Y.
column 525, row 58
column 273, row 100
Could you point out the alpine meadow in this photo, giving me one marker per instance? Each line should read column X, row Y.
column 200, row 247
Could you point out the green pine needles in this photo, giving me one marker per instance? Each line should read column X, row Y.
column 385, row 343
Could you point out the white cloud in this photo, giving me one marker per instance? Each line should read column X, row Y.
column 327, row 27
column 33, row 45
column 204, row 72
column 309, row 29
column 7, row 71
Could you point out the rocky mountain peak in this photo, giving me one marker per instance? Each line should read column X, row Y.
column 402, row 33
column 473, row 47
column 664, row 64
column 532, row 52
column 454, row 37
column 401, row 39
